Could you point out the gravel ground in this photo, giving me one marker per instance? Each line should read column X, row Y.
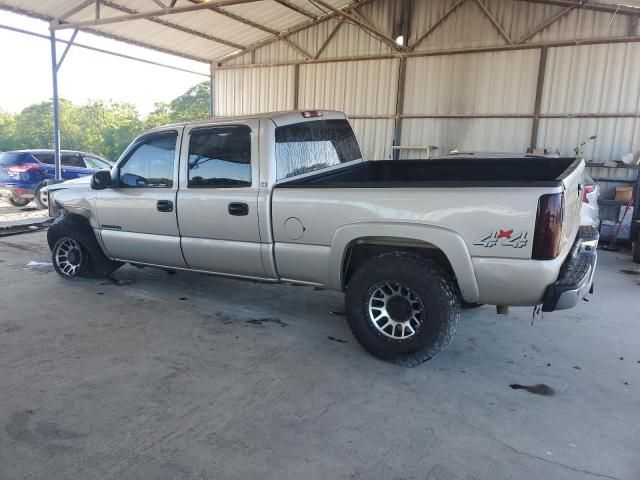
column 10, row 214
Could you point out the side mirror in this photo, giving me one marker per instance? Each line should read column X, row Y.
column 101, row 180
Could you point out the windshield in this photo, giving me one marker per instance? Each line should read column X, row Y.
column 11, row 158
column 309, row 146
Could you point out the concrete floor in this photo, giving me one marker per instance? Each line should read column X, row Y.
column 195, row 377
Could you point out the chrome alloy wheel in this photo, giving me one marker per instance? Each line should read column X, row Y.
column 68, row 257
column 395, row 310
column 43, row 196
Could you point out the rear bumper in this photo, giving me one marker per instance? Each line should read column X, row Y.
column 576, row 274
column 14, row 191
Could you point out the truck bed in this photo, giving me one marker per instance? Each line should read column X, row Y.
column 442, row 172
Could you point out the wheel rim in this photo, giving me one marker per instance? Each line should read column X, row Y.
column 68, row 257
column 44, row 198
column 395, row 310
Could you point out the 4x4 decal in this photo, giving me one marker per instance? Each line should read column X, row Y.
column 505, row 238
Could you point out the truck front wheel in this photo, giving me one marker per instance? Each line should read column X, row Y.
column 75, row 251
column 402, row 308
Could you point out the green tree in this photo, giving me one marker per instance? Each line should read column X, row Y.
column 101, row 127
column 7, row 130
column 191, row 105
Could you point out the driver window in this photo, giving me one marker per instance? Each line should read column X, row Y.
column 150, row 165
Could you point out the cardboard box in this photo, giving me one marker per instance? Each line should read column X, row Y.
column 623, row 194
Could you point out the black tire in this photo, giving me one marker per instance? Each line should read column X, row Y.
column 636, row 251
column 468, row 306
column 421, row 279
column 19, row 202
column 75, row 227
column 40, row 199
column 70, row 259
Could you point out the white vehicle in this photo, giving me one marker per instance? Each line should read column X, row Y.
column 287, row 197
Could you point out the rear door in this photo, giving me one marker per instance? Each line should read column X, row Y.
column 138, row 217
column 218, row 199
column 72, row 166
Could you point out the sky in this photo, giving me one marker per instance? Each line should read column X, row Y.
column 25, row 70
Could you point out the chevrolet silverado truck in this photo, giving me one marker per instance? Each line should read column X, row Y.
column 287, row 197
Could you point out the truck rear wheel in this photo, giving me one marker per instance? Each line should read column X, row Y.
column 402, row 308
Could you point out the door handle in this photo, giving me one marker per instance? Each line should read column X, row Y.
column 238, row 209
column 164, row 206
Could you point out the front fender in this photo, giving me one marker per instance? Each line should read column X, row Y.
column 449, row 242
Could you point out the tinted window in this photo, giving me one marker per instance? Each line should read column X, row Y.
column 93, row 162
column 72, row 161
column 308, row 146
column 11, row 158
column 220, row 157
column 150, row 164
column 44, row 158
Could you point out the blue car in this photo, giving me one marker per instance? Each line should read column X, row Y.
column 23, row 173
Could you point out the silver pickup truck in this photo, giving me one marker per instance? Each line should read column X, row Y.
column 287, row 197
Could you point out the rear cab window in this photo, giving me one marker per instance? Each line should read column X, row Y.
column 220, row 157
column 309, row 146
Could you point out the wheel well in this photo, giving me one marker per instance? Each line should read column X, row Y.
column 360, row 251
column 71, row 221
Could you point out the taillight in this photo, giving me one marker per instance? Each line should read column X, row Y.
column 588, row 188
column 548, row 233
column 311, row 114
column 22, row 168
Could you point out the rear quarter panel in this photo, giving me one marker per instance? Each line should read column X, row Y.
column 476, row 216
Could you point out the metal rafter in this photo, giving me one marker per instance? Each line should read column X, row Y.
column 296, row 8
column 360, row 21
column 546, row 24
column 298, row 49
column 437, row 23
column 583, row 4
column 58, row 25
column 46, row 18
column 100, row 50
column 175, row 26
column 448, row 51
column 494, row 22
column 292, row 31
column 328, row 39
column 77, row 8
column 258, row 26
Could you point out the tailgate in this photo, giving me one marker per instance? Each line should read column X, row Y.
column 573, row 183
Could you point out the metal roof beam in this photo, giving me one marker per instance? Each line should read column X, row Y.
column 77, row 8
column 101, row 50
column 59, row 25
column 296, row 8
column 546, row 24
column 292, row 31
column 598, row 7
column 360, row 22
column 437, row 23
column 494, row 22
column 328, row 39
column 175, row 26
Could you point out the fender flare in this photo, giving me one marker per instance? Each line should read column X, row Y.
column 449, row 242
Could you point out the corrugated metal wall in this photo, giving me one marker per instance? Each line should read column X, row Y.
column 442, row 91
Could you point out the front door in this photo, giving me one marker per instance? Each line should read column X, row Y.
column 138, row 216
column 218, row 199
